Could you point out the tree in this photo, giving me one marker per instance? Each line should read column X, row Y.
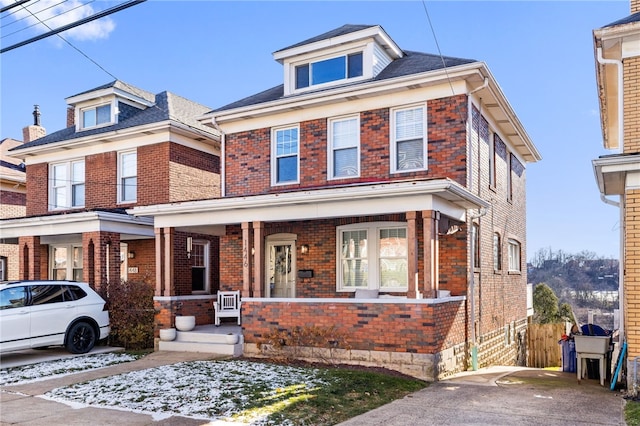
column 545, row 305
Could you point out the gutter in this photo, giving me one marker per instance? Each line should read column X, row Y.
column 618, row 64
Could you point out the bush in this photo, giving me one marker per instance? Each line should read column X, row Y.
column 131, row 314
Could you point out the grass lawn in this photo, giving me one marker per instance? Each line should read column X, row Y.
column 632, row 413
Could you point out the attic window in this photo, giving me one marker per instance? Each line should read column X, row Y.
column 328, row 70
column 96, row 116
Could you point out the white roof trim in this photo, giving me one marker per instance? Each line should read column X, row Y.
column 74, row 223
column 398, row 197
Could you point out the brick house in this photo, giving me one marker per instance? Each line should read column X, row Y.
column 377, row 190
column 617, row 58
column 122, row 147
column 13, row 200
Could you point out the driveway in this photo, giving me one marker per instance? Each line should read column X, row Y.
column 492, row 396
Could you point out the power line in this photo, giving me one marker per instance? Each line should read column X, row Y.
column 93, row 17
column 15, row 4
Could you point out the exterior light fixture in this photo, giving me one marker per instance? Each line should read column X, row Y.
column 131, row 255
column 189, row 246
column 304, row 249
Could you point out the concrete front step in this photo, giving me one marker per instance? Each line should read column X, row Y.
column 224, row 340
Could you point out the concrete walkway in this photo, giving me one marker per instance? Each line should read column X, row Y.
column 493, row 396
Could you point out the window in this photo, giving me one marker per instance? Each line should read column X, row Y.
column 514, row 256
column 3, row 269
column 13, row 297
column 127, row 177
column 344, row 147
column 373, row 256
column 66, row 262
column 285, row 164
column 328, row 70
column 199, row 267
column 92, row 117
column 497, row 254
column 509, row 179
column 66, row 185
column 475, row 235
column 408, row 146
column 44, row 294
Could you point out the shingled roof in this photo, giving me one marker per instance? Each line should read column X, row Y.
column 166, row 107
column 410, row 63
column 629, row 19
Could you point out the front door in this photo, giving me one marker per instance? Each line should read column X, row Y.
column 281, row 269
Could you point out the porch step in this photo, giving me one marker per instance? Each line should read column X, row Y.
column 206, row 339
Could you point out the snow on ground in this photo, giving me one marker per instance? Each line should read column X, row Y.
column 225, row 390
column 52, row 369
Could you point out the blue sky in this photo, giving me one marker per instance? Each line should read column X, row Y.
column 216, row 52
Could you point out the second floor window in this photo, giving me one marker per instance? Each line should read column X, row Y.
column 285, row 164
column 344, row 155
column 127, row 177
column 66, row 185
column 92, row 117
column 408, row 139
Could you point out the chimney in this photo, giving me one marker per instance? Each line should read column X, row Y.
column 635, row 6
column 71, row 116
column 34, row 131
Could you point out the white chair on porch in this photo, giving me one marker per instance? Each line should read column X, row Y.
column 227, row 305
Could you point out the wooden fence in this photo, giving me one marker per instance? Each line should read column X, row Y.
column 543, row 347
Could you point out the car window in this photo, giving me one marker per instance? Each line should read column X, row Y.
column 43, row 294
column 14, row 297
column 77, row 292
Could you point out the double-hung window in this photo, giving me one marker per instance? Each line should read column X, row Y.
column 408, row 139
column 127, row 177
column 200, row 267
column 285, row 163
column 66, row 262
column 66, row 185
column 373, row 256
column 497, row 252
column 344, row 148
column 514, row 256
column 96, row 116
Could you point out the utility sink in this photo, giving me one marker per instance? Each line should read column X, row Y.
column 592, row 344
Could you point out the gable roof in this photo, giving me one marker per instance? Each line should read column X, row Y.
column 410, row 63
column 166, row 107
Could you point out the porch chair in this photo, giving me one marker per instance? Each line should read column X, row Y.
column 227, row 305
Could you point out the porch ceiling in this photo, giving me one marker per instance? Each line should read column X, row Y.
column 442, row 195
column 77, row 223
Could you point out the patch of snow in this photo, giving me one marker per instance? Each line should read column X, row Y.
column 52, row 369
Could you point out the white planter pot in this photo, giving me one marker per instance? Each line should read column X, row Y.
column 231, row 339
column 168, row 334
column 185, row 322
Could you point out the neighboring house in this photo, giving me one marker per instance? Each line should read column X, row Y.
column 13, row 198
column 617, row 57
column 377, row 190
column 122, row 147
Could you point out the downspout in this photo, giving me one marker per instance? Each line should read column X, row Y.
column 222, row 155
column 481, row 212
column 618, row 64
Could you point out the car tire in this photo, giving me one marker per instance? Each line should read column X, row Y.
column 81, row 338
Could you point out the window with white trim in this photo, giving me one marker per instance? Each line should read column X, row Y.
column 285, row 149
column 66, row 262
column 127, row 176
column 328, row 70
column 200, row 267
column 96, row 116
column 373, row 256
column 344, row 147
column 66, row 185
column 408, row 139
column 514, row 256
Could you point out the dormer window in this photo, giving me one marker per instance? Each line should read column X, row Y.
column 96, row 116
column 328, row 70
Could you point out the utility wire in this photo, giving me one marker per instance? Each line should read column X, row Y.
column 42, row 21
column 15, row 4
column 444, row 65
column 58, row 30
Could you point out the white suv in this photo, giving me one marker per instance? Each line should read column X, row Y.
column 35, row 314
